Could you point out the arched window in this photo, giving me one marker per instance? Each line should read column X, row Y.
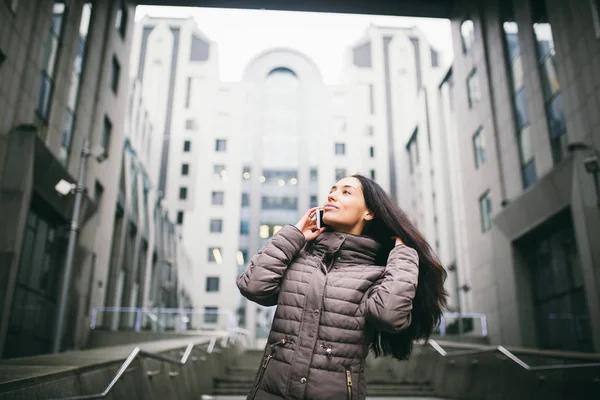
column 281, row 116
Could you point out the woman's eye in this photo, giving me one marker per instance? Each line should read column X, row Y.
column 346, row 192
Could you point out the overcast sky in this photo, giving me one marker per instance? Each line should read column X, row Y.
column 241, row 34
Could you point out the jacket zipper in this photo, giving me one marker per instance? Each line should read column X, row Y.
column 349, row 383
column 265, row 363
column 260, row 376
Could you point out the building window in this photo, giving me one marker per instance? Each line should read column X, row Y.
column 246, row 173
column 50, row 61
column 279, row 203
column 263, row 231
column 185, row 169
column 188, row 92
column 12, row 4
column 221, row 145
column 30, row 329
column 479, row 148
column 244, row 227
column 595, row 4
column 372, row 152
column 106, row 135
column 218, row 198
column 371, row 99
column 369, row 131
column 245, row 200
column 190, row 124
column 211, row 315
column 187, row 146
column 70, row 114
column 412, row 147
column 121, row 20
column 473, row 88
column 551, row 86
column 214, row 255
column 340, row 148
column 373, row 174
column 340, row 173
column 183, row 192
column 115, row 74
column 435, row 62
column 314, row 174
column 519, row 96
column 219, row 171
column 314, row 202
column 199, row 49
column 98, row 192
column 467, row 33
column 558, row 296
column 528, row 169
column 179, row 217
column 212, row 284
column 216, row 226
column 485, row 211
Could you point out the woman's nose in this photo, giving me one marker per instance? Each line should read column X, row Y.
column 331, row 196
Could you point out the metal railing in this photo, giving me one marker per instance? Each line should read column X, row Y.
column 511, row 356
column 160, row 319
column 138, row 353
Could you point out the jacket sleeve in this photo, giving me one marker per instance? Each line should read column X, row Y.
column 260, row 281
column 389, row 302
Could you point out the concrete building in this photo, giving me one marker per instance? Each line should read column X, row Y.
column 524, row 85
column 149, row 266
column 197, row 120
column 245, row 158
column 393, row 119
column 60, row 85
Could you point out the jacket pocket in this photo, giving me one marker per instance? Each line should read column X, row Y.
column 349, row 383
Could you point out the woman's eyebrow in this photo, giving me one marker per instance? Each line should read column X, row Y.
column 346, row 186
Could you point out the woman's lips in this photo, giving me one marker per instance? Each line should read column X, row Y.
column 330, row 207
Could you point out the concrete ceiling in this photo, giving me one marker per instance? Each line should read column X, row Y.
column 407, row 8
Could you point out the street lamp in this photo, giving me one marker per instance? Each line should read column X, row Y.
column 64, row 188
column 591, row 163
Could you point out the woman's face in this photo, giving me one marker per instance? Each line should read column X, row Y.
column 345, row 210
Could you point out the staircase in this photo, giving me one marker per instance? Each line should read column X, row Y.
column 239, row 377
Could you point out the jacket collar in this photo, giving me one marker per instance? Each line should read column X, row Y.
column 347, row 248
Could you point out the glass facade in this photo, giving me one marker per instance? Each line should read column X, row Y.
column 70, row 114
column 519, row 96
column 49, row 64
column 31, row 323
column 555, row 270
column 550, row 84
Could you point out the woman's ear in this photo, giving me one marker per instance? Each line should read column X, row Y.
column 369, row 216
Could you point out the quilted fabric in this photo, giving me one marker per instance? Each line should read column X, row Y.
column 328, row 294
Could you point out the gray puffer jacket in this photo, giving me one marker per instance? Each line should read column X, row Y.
column 328, row 293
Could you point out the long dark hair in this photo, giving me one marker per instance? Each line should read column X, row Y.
column 431, row 296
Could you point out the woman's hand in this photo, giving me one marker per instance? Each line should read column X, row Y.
column 308, row 225
column 398, row 241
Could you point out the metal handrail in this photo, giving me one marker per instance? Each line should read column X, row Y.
column 137, row 352
column 511, row 356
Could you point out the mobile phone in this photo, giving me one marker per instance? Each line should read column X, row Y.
column 319, row 216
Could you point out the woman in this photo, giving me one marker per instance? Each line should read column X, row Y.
column 368, row 280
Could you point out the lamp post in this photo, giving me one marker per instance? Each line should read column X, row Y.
column 65, row 188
